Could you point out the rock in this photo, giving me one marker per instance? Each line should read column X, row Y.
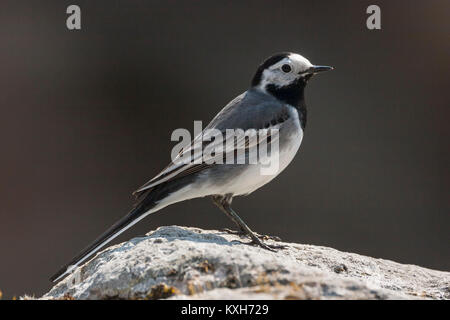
column 189, row 263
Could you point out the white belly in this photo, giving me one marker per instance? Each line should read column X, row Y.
column 253, row 178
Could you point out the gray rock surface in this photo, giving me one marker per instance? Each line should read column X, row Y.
column 189, row 263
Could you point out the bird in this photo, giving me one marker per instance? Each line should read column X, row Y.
column 274, row 101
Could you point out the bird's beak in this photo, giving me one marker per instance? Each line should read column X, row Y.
column 317, row 69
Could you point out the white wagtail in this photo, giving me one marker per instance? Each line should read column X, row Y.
column 274, row 100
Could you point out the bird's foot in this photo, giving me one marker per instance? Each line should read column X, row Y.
column 256, row 240
column 270, row 247
column 242, row 233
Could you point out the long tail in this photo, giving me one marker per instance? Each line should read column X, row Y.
column 138, row 213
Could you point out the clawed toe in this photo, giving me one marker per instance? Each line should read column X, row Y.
column 243, row 233
column 270, row 247
column 267, row 237
column 277, row 246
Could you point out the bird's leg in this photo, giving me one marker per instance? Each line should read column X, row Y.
column 241, row 232
column 224, row 203
column 219, row 202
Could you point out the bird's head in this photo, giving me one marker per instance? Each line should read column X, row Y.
column 285, row 75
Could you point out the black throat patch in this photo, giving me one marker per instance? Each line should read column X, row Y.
column 292, row 94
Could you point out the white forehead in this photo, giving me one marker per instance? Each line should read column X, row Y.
column 299, row 62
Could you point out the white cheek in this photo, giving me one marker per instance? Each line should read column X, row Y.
column 276, row 78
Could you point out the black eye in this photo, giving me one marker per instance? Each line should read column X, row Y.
column 286, row 68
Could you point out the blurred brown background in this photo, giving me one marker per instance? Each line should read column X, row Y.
column 86, row 117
